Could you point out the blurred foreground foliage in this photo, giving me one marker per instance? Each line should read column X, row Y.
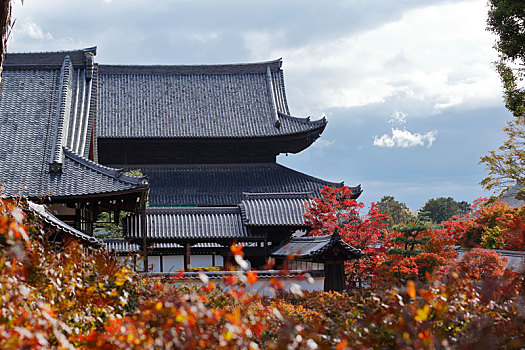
column 67, row 297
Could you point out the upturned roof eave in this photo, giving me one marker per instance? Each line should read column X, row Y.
column 315, row 127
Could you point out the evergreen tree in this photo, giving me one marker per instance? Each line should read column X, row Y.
column 409, row 240
column 440, row 209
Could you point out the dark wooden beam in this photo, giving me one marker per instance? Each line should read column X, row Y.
column 187, row 257
column 143, row 228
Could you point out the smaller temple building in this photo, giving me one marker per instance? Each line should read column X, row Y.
column 48, row 142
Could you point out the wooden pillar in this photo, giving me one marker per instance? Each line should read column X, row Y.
column 334, row 277
column 187, row 257
column 143, row 230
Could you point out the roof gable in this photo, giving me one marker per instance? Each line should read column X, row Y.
column 47, row 117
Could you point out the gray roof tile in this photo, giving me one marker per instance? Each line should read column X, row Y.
column 510, row 196
column 317, row 247
column 121, row 245
column 46, row 117
column 50, row 219
column 224, row 184
column 274, row 209
column 47, row 60
column 183, row 224
column 219, row 101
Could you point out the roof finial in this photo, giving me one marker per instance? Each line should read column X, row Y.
column 90, row 63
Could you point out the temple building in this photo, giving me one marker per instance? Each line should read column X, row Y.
column 48, row 107
column 205, row 137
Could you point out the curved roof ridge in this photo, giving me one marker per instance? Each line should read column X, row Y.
column 92, row 49
column 335, row 184
column 46, row 215
column 311, row 247
column 47, row 60
column 197, row 69
column 304, row 120
column 111, row 172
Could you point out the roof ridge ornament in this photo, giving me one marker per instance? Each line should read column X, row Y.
column 89, row 58
column 63, row 116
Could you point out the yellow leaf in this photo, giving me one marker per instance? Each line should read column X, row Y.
column 422, row 314
column 228, row 336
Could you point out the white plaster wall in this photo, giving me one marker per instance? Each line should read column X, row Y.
column 218, row 260
column 154, row 263
column 173, row 263
column 200, row 260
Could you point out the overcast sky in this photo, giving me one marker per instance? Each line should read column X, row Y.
column 408, row 86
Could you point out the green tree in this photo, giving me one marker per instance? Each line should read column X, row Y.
column 441, row 209
column 109, row 224
column 410, row 238
column 506, row 165
column 397, row 211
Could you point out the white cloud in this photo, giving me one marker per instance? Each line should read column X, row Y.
column 433, row 58
column 259, row 43
column 27, row 28
column 199, row 37
column 398, row 118
column 203, row 38
column 405, row 139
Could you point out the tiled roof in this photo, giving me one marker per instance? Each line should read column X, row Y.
column 46, row 60
column 183, row 224
column 510, row 195
column 219, row 101
column 312, row 247
column 224, row 184
column 274, row 209
column 47, row 114
column 121, row 245
column 50, row 219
